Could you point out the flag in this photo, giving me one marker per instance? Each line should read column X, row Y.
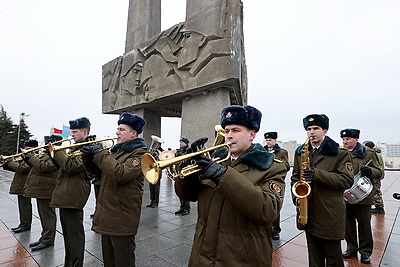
column 64, row 132
column 55, row 131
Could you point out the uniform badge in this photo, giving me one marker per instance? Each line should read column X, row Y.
column 344, row 133
column 275, row 188
column 311, row 119
column 228, row 115
column 135, row 162
column 349, row 166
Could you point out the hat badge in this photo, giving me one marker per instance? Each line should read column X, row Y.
column 311, row 119
column 344, row 132
column 228, row 115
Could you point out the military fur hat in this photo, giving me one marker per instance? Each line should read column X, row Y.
column 369, row 144
column 354, row 133
column 320, row 120
column 136, row 122
column 185, row 140
column 31, row 143
column 243, row 115
column 80, row 123
column 272, row 135
column 52, row 138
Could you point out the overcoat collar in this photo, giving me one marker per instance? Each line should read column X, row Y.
column 328, row 147
column 359, row 151
column 129, row 146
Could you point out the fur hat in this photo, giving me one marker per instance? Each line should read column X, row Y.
column 243, row 115
column 136, row 122
column 80, row 123
column 272, row 135
column 52, row 138
column 369, row 144
column 185, row 140
column 31, row 143
column 354, row 133
column 320, row 120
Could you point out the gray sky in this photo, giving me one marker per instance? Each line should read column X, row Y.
column 340, row 58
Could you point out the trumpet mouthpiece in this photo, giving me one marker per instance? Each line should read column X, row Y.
column 229, row 143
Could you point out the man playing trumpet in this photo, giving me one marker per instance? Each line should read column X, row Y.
column 238, row 199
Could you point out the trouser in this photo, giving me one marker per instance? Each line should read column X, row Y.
column 359, row 217
column 276, row 225
column 323, row 252
column 48, row 219
column 74, row 236
column 185, row 204
column 118, row 250
column 154, row 192
column 96, row 194
column 378, row 199
column 25, row 211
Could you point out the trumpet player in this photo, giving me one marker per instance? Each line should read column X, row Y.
column 238, row 199
column 21, row 169
column 71, row 194
column 329, row 174
column 282, row 154
column 119, row 202
column 358, row 216
column 40, row 185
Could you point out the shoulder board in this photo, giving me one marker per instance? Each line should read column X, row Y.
column 278, row 160
column 343, row 148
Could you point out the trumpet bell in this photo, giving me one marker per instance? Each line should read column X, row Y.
column 166, row 155
column 150, row 169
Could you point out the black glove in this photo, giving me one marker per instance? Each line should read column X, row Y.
column 92, row 149
column 211, row 170
column 26, row 157
column 309, row 174
column 366, row 171
column 198, row 144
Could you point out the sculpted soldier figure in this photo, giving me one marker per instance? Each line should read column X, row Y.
column 237, row 199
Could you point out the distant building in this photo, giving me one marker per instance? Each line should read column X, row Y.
column 390, row 154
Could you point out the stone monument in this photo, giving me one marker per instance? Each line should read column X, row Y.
column 191, row 70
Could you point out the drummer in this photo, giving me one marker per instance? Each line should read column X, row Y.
column 365, row 163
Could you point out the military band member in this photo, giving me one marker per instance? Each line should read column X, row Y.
column 71, row 194
column 329, row 175
column 237, row 199
column 184, row 208
column 119, row 202
column 378, row 199
column 40, row 185
column 273, row 147
column 21, row 169
column 365, row 161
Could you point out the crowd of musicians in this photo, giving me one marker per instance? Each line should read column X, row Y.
column 238, row 199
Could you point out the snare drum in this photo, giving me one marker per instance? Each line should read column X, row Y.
column 361, row 188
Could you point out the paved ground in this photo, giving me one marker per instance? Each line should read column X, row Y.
column 165, row 239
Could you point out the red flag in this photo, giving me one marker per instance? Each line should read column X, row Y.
column 56, row 131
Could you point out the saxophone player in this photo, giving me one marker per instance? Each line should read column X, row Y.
column 330, row 173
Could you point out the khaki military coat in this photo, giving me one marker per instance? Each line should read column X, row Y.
column 21, row 169
column 234, row 218
column 42, row 177
column 119, row 201
column 333, row 174
column 361, row 156
column 280, row 153
column 73, row 182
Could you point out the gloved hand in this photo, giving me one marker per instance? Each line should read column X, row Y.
column 198, row 144
column 211, row 170
column 309, row 174
column 92, row 149
column 26, row 157
column 366, row 171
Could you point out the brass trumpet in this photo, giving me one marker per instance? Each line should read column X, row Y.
column 152, row 168
column 53, row 149
column 26, row 151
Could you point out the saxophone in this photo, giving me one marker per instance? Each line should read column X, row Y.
column 301, row 189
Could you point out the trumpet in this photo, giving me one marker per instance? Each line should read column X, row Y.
column 152, row 168
column 26, row 151
column 53, row 149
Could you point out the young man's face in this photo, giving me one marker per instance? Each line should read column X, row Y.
column 125, row 133
column 316, row 134
column 349, row 142
column 79, row 134
column 240, row 138
column 270, row 142
column 182, row 144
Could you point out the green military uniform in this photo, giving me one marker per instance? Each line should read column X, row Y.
column 234, row 218
column 185, row 204
column 360, row 213
column 21, row 169
column 40, row 185
column 326, row 206
column 378, row 199
column 70, row 196
column 283, row 155
column 119, row 202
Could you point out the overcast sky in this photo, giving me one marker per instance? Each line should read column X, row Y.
column 341, row 58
